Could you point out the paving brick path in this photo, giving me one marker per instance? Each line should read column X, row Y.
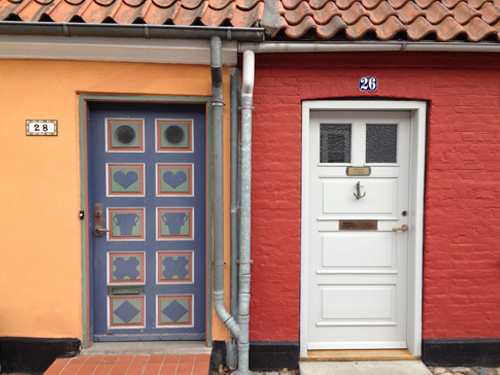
column 186, row 364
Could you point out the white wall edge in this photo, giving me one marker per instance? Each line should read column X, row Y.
column 418, row 125
column 160, row 51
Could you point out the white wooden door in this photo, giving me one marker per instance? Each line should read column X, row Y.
column 357, row 244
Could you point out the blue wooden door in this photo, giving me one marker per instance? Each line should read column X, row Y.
column 147, row 177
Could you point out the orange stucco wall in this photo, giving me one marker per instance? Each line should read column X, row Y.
column 40, row 246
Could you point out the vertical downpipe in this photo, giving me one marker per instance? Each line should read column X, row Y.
column 245, row 216
column 218, row 162
column 231, row 347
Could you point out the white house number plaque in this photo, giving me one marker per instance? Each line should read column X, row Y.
column 41, row 127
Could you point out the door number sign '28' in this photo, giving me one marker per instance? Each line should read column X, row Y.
column 41, row 127
column 368, row 84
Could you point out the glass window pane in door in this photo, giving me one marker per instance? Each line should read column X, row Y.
column 381, row 143
column 335, row 143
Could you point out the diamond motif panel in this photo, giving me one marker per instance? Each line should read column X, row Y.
column 174, row 179
column 125, row 180
column 175, row 267
column 175, row 311
column 174, row 135
column 126, row 268
column 124, row 135
column 126, row 223
column 175, row 223
column 126, row 312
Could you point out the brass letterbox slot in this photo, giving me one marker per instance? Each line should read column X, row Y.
column 125, row 290
column 358, row 225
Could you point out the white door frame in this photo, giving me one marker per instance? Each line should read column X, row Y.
column 418, row 118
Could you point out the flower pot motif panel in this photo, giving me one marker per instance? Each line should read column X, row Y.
column 175, row 223
column 126, row 223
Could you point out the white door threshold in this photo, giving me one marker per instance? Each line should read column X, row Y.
column 147, row 348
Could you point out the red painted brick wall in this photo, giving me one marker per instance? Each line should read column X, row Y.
column 462, row 204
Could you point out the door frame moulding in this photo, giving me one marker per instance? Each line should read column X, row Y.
column 83, row 100
column 418, row 122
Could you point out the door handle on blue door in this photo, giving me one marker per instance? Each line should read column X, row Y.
column 99, row 230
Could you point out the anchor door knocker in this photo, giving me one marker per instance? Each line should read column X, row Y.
column 357, row 194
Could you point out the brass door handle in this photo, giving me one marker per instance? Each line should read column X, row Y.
column 402, row 228
column 98, row 229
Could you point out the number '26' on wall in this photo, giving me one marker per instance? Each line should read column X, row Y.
column 368, row 84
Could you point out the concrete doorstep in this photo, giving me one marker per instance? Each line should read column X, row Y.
column 364, row 368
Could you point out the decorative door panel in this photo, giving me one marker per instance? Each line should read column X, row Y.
column 147, row 177
column 357, row 263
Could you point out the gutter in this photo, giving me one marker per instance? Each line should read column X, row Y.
column 70, row 29
column 322, row 46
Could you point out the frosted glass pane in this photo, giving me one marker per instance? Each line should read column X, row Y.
column 381, row 143
column 335, row 143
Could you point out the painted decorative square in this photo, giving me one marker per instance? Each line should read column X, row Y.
column 175, row 223
column 124, row 135
column 126, row 312
column 175, row 311
column 125, row 179
column 174, row 135
column 174, row 179
column 126, row 223
column 125, row 268
column 175, row 267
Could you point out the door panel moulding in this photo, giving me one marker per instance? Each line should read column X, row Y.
column 418, row 117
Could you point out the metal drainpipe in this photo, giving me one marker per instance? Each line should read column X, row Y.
column 245, row 215
column 218, row 195
column 231, row 348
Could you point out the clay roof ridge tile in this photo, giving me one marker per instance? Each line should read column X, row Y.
column 437, row 12
column 463, row 13
column 410, row 12
column 490, row 13
column 397, row 4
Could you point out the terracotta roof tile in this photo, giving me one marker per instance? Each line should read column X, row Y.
column 415, row 20
column 437, row 12
column 382, row 12
column 490, row 13
column 409, row 12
